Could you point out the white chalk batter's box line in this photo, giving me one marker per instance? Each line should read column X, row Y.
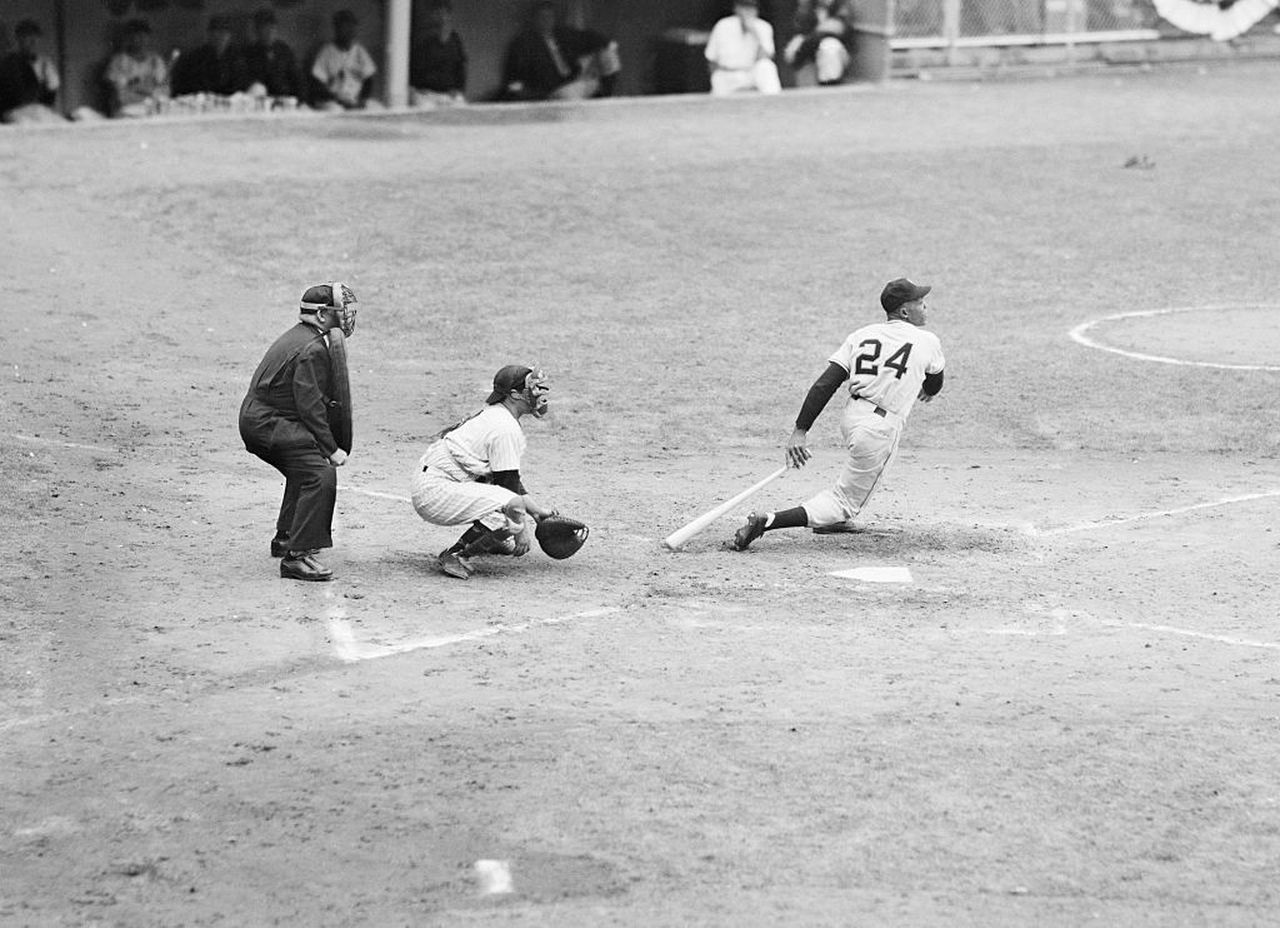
column 1077, row 334
column 1063, row 618
column 348, row 647
column 80, row 446
column 1146, row 516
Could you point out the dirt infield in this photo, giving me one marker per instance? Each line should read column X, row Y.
column 1068, row 715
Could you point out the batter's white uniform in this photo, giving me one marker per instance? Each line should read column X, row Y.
column 446, row 490
column 887, row 363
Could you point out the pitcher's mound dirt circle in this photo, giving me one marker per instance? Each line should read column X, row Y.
column 1243, row 336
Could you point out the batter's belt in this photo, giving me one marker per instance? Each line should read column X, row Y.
column 874, row 408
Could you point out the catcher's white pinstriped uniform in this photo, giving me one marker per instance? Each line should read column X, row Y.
column 447, row 485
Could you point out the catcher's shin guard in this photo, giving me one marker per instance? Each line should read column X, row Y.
column 470, row 536
column 493, row 541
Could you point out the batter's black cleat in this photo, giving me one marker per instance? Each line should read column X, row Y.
column 749, row 532
column 280, row 546
column 453, row 565
column 302, row 565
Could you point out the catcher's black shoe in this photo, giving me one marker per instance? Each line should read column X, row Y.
column 302, row 565
column 749, row 532
column 280, row 546
column 453, row 565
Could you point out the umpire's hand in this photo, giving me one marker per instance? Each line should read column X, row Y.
column 798, row 448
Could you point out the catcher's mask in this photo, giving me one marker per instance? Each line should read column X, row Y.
column 336, row 296
column 530, row 382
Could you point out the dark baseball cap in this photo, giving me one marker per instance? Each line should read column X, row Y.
column 897, row 292
column 322, row 296
column 510, row 378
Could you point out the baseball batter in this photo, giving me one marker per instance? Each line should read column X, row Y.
column 888, row 366
column 471, row 473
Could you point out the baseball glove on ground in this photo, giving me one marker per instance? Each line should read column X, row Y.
column 561, row 537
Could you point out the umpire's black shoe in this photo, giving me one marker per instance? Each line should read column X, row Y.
column 302, row 565
column 280, row 546
column 749, row 532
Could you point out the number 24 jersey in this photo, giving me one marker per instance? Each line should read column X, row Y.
column 887, row 363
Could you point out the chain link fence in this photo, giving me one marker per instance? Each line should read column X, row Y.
column 1028, row 20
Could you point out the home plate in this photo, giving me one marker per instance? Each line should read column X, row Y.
column 875, row 574
column 494, row 876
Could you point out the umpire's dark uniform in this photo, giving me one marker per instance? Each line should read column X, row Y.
column 284, row 420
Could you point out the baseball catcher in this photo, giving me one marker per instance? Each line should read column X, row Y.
column 285, row 420
column 471, row 473
column 888, row 366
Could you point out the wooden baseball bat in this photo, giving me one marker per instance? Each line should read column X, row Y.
column 676, row 540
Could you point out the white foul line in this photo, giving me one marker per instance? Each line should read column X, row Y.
column 348, row 648
column 1108, row 523
column 56, row 441
column 1077, row 334
column 1172, row 630
column 378, row 494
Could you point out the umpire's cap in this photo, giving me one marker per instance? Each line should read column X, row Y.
column 323, row 296
column 897, row 292
column 511, row 377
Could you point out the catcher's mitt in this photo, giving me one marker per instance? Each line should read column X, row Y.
column 561, row 537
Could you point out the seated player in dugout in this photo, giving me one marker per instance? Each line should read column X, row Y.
column 551, row 61
column 438, row 62
column 822, row 48
column 216, row 67
column 271, row 64
column 28, row 79
column 471, row 474
column 740, row 52
column 343, row 71
column 137, row 77
column 888, row 366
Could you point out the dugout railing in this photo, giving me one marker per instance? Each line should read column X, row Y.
column 915, row 34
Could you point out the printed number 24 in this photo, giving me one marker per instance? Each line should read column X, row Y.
column 871, row 353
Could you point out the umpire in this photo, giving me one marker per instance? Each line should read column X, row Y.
column 284, row 420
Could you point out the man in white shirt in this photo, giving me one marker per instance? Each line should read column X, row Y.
column 888, row 366
column 740, row 52
column 471, row 473
column 342, row 74
column 138, row 77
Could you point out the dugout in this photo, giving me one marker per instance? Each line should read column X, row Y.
column 660, row 41
column 82, row 34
